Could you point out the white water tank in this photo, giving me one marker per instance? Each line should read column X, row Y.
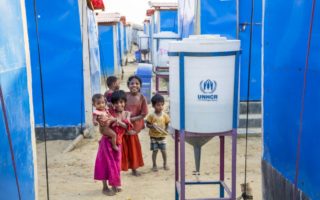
column 209, row 73
column 160, row 47
column 143, row 41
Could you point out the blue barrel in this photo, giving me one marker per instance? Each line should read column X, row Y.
column 138, row 56
column 144, row 71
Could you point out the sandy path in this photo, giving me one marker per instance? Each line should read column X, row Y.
column 71, row 174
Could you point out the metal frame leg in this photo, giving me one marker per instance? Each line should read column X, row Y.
column 234, row 164
column 157, row 83
column 222, row 164
column 182, row 166
column 176, row 154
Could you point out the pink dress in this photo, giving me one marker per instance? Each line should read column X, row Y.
column 131, row 147
column 108, row 161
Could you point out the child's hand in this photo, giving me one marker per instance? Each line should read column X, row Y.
column 132, row 132
column 96, row 123
column 103, row 118
column 150, row 125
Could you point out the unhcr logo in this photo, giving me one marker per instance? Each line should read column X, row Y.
column 207, row 88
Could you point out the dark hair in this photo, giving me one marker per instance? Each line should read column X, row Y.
column 111, row 80
column 118, row 95
column 134, row 77
column 95, row 97
column 156, row 99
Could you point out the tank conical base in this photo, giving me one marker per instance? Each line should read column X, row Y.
column 197, row 143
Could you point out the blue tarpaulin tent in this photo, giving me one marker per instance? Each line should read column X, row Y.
column 17, row 137
column 56, row 47
column 291, row 100
column 109, row 43
column 164, row 17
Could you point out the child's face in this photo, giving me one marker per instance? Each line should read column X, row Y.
column 100, row 104
column 158, row 107
column 134, row 86
column 119, row 105
column 116, row 85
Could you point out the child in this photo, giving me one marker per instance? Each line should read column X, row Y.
column 158, row 123
column 102, row 117
column 113, row 84
column 131, row 148
column 107, row 166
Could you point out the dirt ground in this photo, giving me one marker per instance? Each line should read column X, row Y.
column 71, row 174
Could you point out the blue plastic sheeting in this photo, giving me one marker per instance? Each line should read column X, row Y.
column 106, row 42
column 125, row 42
column 169, row 20
column 219, row 17
column 61, row 60
column 94, row 53
column 121, row 42
column 119, row 45
column 186, row 18
column 150, row 36
column 244, row 36
column 13, row 81
column 286, row 36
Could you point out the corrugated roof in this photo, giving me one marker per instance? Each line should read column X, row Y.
column 107, row 17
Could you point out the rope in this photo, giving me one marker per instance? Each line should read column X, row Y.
column 42, row 97
column 244, row 194
column 6, row 121
column 303, row 97
column 84, row 12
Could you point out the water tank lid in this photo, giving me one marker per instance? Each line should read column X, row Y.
column 215, row 38
column 204, row 36
column 166, row 34
column 206, row 43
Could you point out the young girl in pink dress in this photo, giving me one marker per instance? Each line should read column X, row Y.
column 131, row 148
column 108, row 161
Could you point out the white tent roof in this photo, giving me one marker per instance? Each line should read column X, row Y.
column 102, row 16
column 163, row 5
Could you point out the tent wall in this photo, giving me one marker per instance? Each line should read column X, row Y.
column 218, row 17
column 109, row 46
column 187, row 18
column 285, row 40
column 126, row 46
column 94, row 53
column 165, row 20
column 59, row 40
column 121, row 38
column 244, row 36
column 169, row 20
column 15, row 82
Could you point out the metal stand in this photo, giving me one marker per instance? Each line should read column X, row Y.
column 180, row 136
column 180, row 181
column 161, row 72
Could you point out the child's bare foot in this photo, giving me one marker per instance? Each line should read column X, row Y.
column 135, row 173
column 155, row 168
column 116, row 189
column 115, row 147
column 165, row 167
column 108, row 192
